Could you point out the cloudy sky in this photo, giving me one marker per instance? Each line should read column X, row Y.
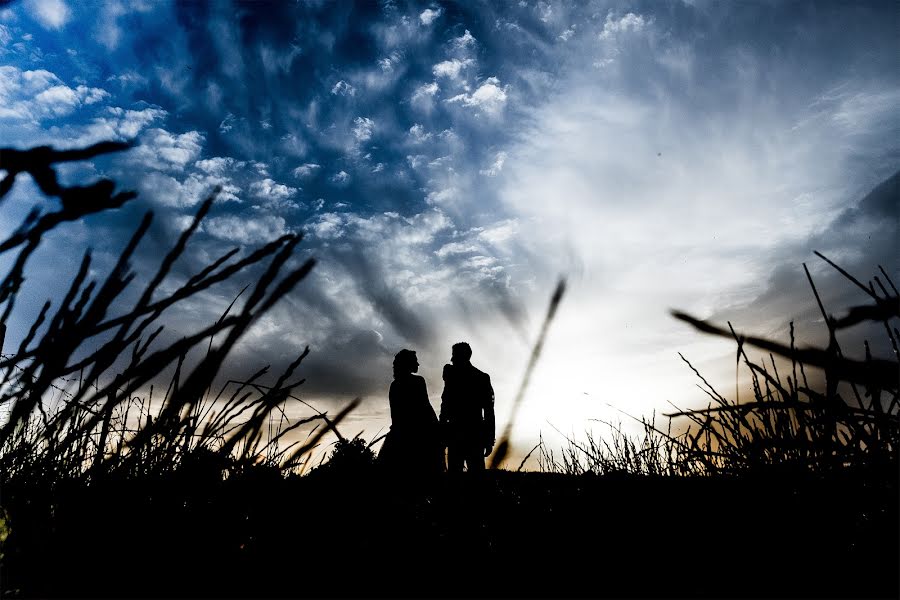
column 449, row 162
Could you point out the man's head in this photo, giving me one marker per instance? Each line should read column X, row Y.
column 462, row 353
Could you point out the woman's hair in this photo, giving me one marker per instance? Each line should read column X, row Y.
column 404, row 362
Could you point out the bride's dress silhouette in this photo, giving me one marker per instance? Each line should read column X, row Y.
column 413, row 444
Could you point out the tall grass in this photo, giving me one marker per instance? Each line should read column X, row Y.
column 851, row 423
column 74, row 391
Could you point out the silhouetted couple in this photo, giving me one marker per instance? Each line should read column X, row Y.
column 417, row 437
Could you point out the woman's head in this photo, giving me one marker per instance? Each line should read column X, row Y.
column 405, row 362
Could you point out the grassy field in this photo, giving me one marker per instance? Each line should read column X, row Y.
column 790, row 493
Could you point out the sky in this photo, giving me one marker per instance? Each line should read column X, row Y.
column 449, row 162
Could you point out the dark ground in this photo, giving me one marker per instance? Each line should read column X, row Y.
column 353, row 534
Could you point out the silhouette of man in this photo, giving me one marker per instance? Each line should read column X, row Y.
column 467, row 412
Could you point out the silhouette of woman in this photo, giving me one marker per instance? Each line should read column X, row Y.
column 412, row 445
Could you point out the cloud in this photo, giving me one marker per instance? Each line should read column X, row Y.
column 307, row 170
column 426, row 91
column 128, row 79
column 342, row 88
column 451, row 68
column 453, row 248
column 243, row 229
column 500, row 232
column 429, row 15
column 496, row 166
column 418, row 134
column 107, row 30
column 57, row 101
column 162, row 150
column 52, row 14
column 464, row 42
column 40, row 94
column 166, row 190
column 218, row 165
column 423, row 97
column 567, row 34
column 489, row 97
column 340, row 178
column 276, row 194
column 629, row 23
column 227, row 123
column 118, row 124
column 363, row 127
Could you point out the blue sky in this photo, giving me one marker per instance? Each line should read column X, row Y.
column 449, row 161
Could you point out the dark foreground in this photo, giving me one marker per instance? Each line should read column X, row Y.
column 508, row 534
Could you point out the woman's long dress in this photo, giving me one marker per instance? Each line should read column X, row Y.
column 413, row 443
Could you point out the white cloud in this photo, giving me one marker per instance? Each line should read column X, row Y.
column 363, row 127
column 342, row 88
column 489, row 97
column 418, row 134
column 340, row 178
column 52, row 14
column 416, row 160
column 128, row 78
column 107, row 30
column 629, row 23
column 244, row 229
column 567, row 34
column 218, row 165
column 485, row 264
column 423, row 97
column 58, row 100
column 378, row 168
column 463, row 42
column 306, row 171
column 227, row 123
column 426, row 91
column 454, row 248
column 500, row 232
column 39, row 94
column 162, row 150
column 428, row 16
column 451, row 68
column 124, row 124
column 496, row 166
column 91, row 95
column 269, row 189
column 61, row 100
column 328, row 226
column 444, row 197
column 168, row 191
